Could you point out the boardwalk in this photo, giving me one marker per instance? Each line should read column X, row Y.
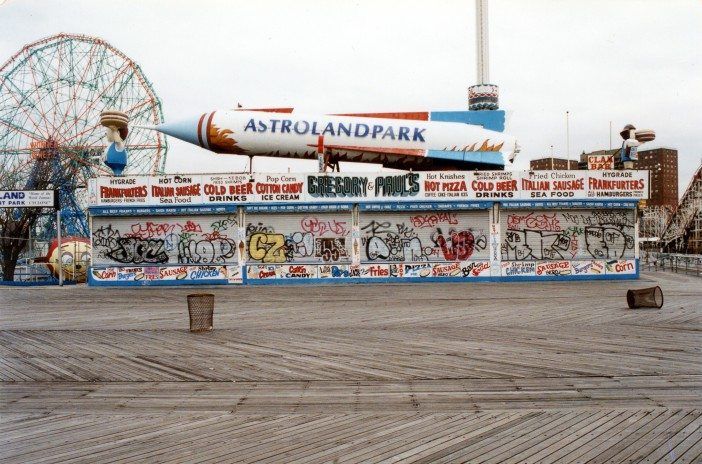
column 532, row 372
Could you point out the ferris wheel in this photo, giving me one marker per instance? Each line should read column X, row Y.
column 51, row 95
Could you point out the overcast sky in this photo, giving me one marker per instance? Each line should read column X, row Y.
column 633, row 62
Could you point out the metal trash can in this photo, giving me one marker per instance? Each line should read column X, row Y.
column 645, row 298
column 201, row 309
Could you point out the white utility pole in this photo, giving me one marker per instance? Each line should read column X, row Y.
column 568, row 136
column 59, row 262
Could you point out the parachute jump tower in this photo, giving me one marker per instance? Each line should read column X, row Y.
column 483, row 95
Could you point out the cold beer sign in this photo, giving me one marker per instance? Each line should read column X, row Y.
column 26, row 198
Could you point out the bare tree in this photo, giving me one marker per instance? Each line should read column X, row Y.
column 17, row 223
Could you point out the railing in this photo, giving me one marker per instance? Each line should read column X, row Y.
column 673, row 262
column 31, row 274
column 28, row 272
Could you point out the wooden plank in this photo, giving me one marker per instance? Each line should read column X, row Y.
column 503, row 373
column 677, row 444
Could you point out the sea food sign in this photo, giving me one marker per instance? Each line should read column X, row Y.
column 26, row 198
column 213, row 189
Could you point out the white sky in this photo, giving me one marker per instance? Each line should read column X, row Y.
column 633, row 62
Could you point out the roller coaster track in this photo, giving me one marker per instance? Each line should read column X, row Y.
column 683, row 232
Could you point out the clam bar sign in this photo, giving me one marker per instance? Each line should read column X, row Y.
column 292, row 188
column 600, row 162
column 26, row 198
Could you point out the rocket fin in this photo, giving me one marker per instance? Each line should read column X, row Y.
column 492, row 120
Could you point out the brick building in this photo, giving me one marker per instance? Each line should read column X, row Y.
column 551, row 163
column 663, row 166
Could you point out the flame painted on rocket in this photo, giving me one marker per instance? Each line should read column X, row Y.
column 399, row 140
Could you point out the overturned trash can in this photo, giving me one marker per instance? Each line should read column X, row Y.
column 201, row 309
column 645, row 298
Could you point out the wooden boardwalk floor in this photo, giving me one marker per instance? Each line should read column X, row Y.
column 547, row 372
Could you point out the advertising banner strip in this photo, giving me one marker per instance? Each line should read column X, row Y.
column 299, row 188
column 157, row 211
column 387, row 206
column 184, row 273
column 568, row 204
column 232, row 274
column 298, row 208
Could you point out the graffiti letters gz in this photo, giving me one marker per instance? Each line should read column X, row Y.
column 309, row 240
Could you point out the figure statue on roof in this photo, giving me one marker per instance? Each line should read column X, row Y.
column 116, row 130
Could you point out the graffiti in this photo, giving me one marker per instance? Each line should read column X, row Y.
column 431, row 220
column 398, row 242
column 385, row 241
column 137, row 251
column 392, row 247
column 190, row 226
column 255, row 228
column 151, row 229
column 299, row 240
column 319, row 227
column 176, row 240
column 220, row 225
column 212, row 249
column 267, row 248
column 299, row 244
column 534, row 244
column 569, row 235
column 533, row 221
column 105, row 237
column 330, row 249
column 599, row 217
column 461, row 247
column 607, row 242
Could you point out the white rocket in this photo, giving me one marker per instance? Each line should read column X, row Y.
column 417, row 140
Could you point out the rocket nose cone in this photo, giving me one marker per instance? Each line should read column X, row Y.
column 190, row 130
